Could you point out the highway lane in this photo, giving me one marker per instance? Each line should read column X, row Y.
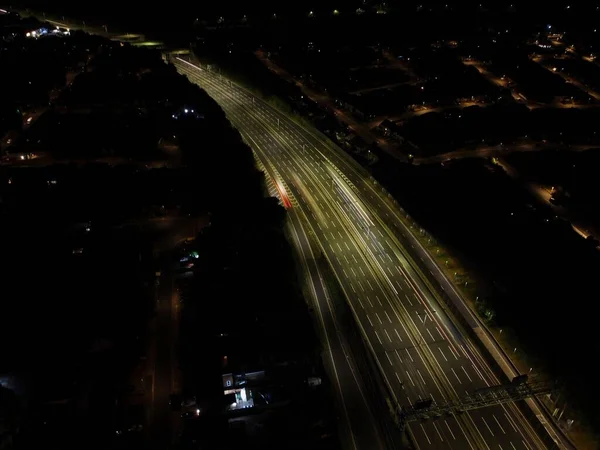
column 394, row 218
column 418, row 350
column 418, row 371
column 359, row 425
column 359, row 428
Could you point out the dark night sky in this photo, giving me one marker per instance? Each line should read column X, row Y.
column 178, row 11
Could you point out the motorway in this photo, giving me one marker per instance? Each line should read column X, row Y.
column 360, row 426
column 419, row 350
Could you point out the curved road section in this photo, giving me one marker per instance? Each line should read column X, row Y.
column 420, row 352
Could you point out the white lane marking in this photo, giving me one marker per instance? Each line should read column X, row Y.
column 440, row 333
column 370, row 302
column 398, row 355
column 496, row 419
column 452, row 351
column 488, row 427
column 477, row 371
column 511, row 424
column 438, row 431
column 388, row 316
column 444, row 356
column 410, row 378
column 377, row 297
column 399, row 380
column 425, row 433
column 464, row 433
column 432, row 338
column 411, row 359
column 379, row 318
column 422, row 379
column 465, row 371
column 452, row 368
column 398, row 334
column 389, row 359
column 388, row 335
column 361, row 303
column 408, row 298
column 369, row 320
column 378, row 338
column 451, row 433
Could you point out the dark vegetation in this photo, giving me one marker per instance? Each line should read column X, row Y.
column 122, row 164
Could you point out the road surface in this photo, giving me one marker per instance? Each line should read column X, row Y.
column 359, row 428
column 419, row 350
